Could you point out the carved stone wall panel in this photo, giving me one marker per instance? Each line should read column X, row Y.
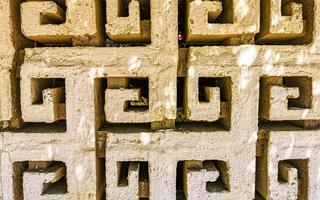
column 159, row 99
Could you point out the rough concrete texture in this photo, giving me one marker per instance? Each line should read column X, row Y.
column 217, row 21
column 43, row 95
column 49, row 22
column 131, row 28
column 288, row 166
column 159, row 99
column 38, row 183
column 286, row 20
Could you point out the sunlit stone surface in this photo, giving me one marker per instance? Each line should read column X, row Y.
column 159, row 99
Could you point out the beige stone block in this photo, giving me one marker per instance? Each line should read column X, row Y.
column 43, row 95
column 291, row 98
column 233, row 82
column 162, row 150
column 125, row 186
column 79, row 113
column 126, row 23
column 208, row 110
column 19, row 182
column 49, row 22
column 288, row 167
column 114, row 110
column 236, row 18
column 285, row 21
column 131, row 28
column 160, row 103
column 164, row 37
column 135, row 63
column 11, row 41
column 196, row 180
column 114, row 67
column 37, row 183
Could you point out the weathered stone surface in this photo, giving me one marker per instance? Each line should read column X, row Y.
column 163, row 150
column 217, row 21
column 288, row 166
column 286, row 21
column 68, row 21
column 159, row 99
column 130, row 28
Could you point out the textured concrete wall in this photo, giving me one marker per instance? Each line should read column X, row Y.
column 159, row 99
